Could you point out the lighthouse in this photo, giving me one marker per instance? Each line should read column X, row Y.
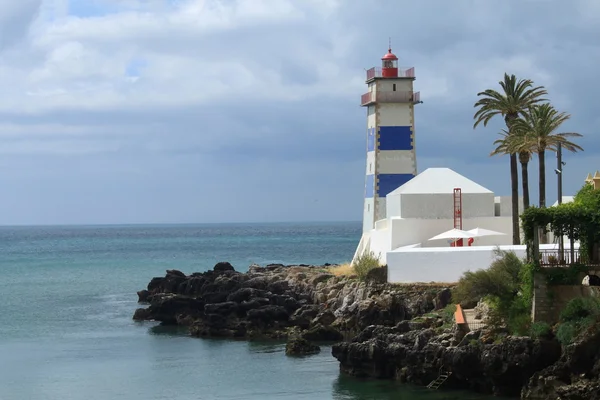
column 391, row 157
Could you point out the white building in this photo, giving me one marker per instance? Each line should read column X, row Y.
column 403, row 210
column 425, row 207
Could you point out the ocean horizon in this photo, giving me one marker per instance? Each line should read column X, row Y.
column 69, row 294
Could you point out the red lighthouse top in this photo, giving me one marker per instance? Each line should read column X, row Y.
column 389, row 65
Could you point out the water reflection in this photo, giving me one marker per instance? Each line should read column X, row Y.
column 348, row 388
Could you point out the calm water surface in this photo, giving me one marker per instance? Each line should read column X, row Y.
column 68, row 294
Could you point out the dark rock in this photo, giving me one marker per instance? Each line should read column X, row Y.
column 141, row 314
column 258, row 282
column 176, row 273
column 325, row 318
column 442, row 299
column 224, row 309
column 215, row 297
column 303, row 316
column 576, row 375
column 278, row 287
column 323, row 277
column 320, row 333
column 143, row 296
column 192, row 286
column 257, row 302
column 223, row 267
column 245, row 294
column 299, row 346
column 377, row 275
column 268, row 314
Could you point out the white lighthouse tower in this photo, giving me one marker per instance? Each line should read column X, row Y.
column 391, row 157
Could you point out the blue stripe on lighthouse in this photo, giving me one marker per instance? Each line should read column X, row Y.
column 387, row 183
column 370, row 186
column 371, row 139
column 395, row 138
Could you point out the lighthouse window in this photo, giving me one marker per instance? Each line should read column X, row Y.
column 368, row 207
column 394, row 87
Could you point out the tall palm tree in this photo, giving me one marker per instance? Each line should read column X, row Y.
column 512, row 144
column 516, row 97
column 539, row 126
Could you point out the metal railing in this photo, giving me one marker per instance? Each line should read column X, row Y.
column 376, row 72
column 390, row 97
column 553, row 258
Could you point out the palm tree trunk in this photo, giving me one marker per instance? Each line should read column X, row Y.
column 514, row 188
column 524, row 160
column 542, row 157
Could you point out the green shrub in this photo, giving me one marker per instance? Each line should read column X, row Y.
column 541, row 330
column 365, row 263
column 500, row 280
column 580, row 308
column 578, row 315
column 507, row 288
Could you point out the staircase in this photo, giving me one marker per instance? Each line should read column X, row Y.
column 440, row 380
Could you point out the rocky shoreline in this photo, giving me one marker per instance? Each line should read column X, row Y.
column 380, row 330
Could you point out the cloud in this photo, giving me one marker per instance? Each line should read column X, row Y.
column 148, row 110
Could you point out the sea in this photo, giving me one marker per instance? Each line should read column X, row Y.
column 68, row 293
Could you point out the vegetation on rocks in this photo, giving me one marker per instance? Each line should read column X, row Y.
column 506, row 286
column 578, row 316
column 364, row 263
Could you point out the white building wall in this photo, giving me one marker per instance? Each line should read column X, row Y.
column 504, row 206
column 368, row 215
column 411, row 231
column 393, row 203
column 441, row 264
column 380, row 243
column 442, row 205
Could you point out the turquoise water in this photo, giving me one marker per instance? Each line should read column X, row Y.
column 68, row 294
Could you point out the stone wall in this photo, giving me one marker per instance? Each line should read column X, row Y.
column 550, row 300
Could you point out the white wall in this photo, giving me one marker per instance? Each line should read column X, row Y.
column 368, row 214
column 441, row 264
column 442, row 205
column 393, row 205
column 505, row 206
column 411, row 231
column 381, row 243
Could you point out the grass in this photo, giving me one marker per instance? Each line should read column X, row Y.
column 344, row 269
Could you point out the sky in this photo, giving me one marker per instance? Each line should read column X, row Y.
column 191, row 111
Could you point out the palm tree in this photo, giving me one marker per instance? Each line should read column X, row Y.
column 514, row 144
column 516, row 98
column 539, row 127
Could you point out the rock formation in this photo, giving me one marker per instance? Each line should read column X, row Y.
column 274, row 300
column 381, row 330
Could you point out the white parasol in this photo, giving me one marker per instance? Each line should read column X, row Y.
column 453, row 234
column 478, row 232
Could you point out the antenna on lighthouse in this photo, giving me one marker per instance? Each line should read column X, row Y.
column 390, row 44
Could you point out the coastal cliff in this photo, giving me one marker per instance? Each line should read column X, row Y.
column 277, row 301
column 383, row 331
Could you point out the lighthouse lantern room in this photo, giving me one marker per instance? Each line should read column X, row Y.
column 391, row 157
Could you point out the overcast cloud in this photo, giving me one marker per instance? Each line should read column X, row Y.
column 135, row 111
